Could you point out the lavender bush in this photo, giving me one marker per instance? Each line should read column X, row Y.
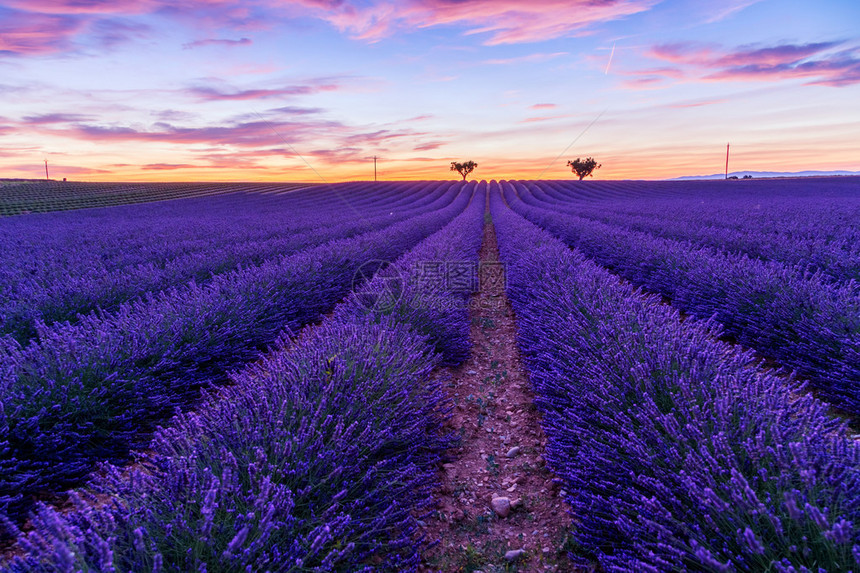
column 60, row 265
column 91, row 391
column 319, row 458
column 676, row 451
column 810, row 224
column 807, row 324
column 45, row 196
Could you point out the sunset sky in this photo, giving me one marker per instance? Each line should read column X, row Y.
column 311, row 90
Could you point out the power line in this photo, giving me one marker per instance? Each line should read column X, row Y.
column 293, row 149
column 593, row 121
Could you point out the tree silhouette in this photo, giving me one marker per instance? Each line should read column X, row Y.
column 583, row 167
column 463, row 168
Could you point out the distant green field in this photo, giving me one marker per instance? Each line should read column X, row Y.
column 20, row 197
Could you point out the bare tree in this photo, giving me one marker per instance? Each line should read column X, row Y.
column 583, row 167
column 463, row 168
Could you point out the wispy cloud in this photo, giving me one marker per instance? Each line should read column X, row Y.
column 504, row 21
column 166, row 166
column 210, row 93
column 250, row 139
column 217, row 42
column 37, row 170
column 86, row 6
column 543, row 118
column 26, row 34
column 726, row 9
column 253, row 133
column 650, row 78
column 430, row 145
column 696, row 103
column 110, row 32
column 49, row 118
column 818, row 62
column 543, row 106
column 531, row 58
column 683, row 52
column 37, row 27
column 294, row 110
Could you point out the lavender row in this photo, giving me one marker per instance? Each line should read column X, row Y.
column 319, row 458
column 806, row 324
column 44, row 196
column 119, row 237
column 802, row 230
column 76, row 287
column 676, row 452
column 90, row 391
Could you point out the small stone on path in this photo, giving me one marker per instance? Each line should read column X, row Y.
column 514, row 554
column 501, row 505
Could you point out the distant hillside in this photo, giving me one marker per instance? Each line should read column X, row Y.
column 757, row 174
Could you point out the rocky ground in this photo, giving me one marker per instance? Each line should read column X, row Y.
column 499, row 508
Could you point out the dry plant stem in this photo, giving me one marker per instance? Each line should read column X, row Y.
column 500, row 454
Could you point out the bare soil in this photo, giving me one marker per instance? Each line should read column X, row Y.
column 495, row 414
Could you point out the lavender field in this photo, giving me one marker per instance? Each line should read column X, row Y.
column 253, row 377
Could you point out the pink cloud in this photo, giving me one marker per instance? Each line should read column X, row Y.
column 380, row 137
column 247, row 141
column 682, row 53
column 505, row 21
column 643, row 82
column 254, row 133
column 698, row 103
column 429, row 146
column 531, row 58
column 22, row 33
column 45, row 26
column 542, row 118
column 815, row 62
column 650, row 78
column 784, row 55
column 57, row 170
column 543, row 106
column 166, row 166
column 34, row 27
column 85, row 6
column 341, row 155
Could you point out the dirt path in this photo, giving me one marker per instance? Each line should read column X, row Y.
column 500, row 454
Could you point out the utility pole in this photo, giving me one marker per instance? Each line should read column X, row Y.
column 46, row 171
column 374, row 168
column 727, row 161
